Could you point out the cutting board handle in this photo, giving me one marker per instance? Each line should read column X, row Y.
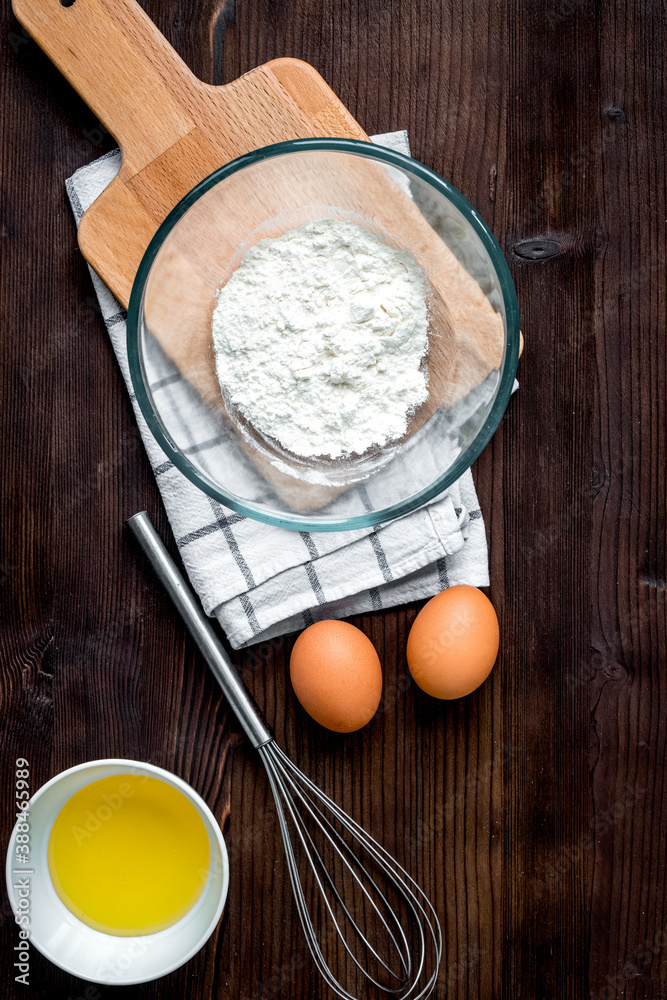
column 119, row 62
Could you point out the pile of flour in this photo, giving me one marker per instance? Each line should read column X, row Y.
column 319, row 336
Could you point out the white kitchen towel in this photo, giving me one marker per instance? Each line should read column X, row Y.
column 261, row 581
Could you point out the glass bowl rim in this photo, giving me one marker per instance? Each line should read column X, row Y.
column 301, row 522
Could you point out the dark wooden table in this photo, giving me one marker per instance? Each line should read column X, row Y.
column 547, row 787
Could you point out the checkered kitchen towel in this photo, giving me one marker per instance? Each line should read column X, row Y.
column 261, row 581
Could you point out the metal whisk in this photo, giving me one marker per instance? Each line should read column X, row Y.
column 340, row 856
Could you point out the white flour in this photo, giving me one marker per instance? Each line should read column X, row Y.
column 319, row 336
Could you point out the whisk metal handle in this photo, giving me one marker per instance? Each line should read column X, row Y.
column 189, row 608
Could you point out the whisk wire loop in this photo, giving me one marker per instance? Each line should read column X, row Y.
column 294, row 794
column 342, row 849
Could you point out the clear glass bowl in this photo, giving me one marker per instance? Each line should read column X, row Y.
column 473, row 332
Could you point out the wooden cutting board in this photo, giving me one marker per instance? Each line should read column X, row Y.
column 174, row 130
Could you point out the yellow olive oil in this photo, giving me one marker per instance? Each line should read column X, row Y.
column 129, row 854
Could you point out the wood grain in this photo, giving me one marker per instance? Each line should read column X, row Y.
column 628, row 653
column 534, row 811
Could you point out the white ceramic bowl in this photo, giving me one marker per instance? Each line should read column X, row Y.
column 72, row 945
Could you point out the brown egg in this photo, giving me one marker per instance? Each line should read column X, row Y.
column 453, row 642
column 336, row 675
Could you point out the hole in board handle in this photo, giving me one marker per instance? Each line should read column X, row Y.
column 67, row 3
